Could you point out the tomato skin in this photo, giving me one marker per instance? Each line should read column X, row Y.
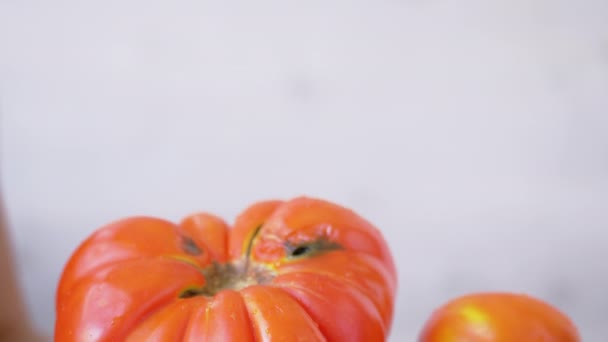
column 284, row 271
column 498, row 317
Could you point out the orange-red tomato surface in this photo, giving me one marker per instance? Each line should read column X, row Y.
column 297, row 270
column 498, row 317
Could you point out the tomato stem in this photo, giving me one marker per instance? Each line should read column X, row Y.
column 250, row 246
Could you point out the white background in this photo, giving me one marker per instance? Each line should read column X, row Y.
column 473, row 133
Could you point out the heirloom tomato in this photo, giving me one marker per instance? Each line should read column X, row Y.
column 298, row 270
column 498, row 317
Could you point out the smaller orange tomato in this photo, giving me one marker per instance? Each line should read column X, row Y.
column 498, row 317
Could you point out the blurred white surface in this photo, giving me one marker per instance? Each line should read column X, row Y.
column 473, row 133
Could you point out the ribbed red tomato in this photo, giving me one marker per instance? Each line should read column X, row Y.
column 299, row 270
column 498, row 317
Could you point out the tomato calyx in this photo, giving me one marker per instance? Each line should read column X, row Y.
column 243, row 273
column 230, row 276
